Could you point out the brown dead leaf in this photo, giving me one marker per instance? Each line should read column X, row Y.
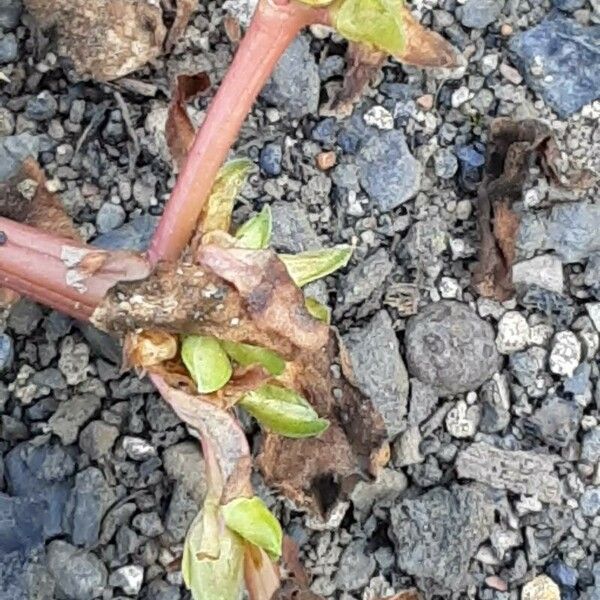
column 512, row 145
column 261, row 575
column 233, row 31
column 105, row 39
column 148, row 348
column 183, row 12
column 179, row 129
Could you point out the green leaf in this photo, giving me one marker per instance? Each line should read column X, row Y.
column 246, row 355
column 209, row 578
column 253, row 521
column 206, row 361
column 374, row 22
column 317, row 310
column 255, row 234
column 283, row 411
column 315, row 264
column 229, row 182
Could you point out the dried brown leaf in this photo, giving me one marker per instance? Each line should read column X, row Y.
column 261, row 574
column 148, row 348
column 184, row 10
column 105, row 39
column 179, row 130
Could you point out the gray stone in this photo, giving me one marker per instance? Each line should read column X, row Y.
column 98, row 438
column 127, row 540
column 14, row 149
column 79, row 575
column 41, row 107
column 559, row 59
column 10, row 14
column 513, row 332
column 160, row 415
column 462, row 420
column 513, row 470
column 90, row 499
column 24, row 317
column 388, row 485
column 71, row 415
column 568, row 5
column 528, row 366
column 355, row 568
column 450, row 347
column 445, row 163
column 9, row 48
column 129, row 578
column 572, row 228
column 294, row 86
column 21, row 525
column 138, row 448
column 161, row 590
column 590, row 502
column 423, row 400
column 437, row 534
column 556, row 421
column 41, row 473
column 590, row 446
column 181, row 512
column 134, row 235
column 184, row 464
column 407, row 448
column 388, row 172
column 378, row 369
column 478, row 14
column 109, row 217
column 102, row 344
column 148, row 523
column 292, row 231
column 495, row 404
column 7, row 352
column 364, row 279
column 74, row 360
column 545, row 271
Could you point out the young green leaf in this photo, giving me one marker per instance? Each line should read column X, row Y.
column 246, row 355
column 229, row 182
column 217, row 578
column 283, row 411
column 253, row 521
column 206, row 361
column 377, row 23
column 315, row 264
column 255, row 234
column 317, row 310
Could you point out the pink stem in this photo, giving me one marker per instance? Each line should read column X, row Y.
column 273, row 28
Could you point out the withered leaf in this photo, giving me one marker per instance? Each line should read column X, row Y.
column 179, row 130
column 149, row 348
column 295, row 585
column 261, row 575
column 105, row 39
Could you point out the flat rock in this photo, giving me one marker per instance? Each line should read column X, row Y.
column 184, row 464
column 545, row 271
column 423, row 400
column 21, row 525
column 14, row 149
column 71, row 415
column 556, row 421
column 450, row 347
column 133, row 235
column 355, row 568
column 514, row 470
column 438, row 533
column 388, row 172
column 560, row 60
column 373, row 354
column 292, row 231
column 478, row 14
column 384, row 490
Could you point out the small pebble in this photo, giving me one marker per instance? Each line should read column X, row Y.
column 565, row 354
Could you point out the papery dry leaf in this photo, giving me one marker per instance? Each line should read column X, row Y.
column 261, row 574
column 149, row 348
column 179, row 130
column 104, row 38
column 184, row 10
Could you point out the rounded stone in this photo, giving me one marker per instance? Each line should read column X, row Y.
column 450, row 347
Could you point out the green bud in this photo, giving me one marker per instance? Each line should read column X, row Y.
column 206, row 361
column 253, row 521
column 255, row 234
column 315, row 264
column 317, row 310
column 246, row 355
column 283, row 411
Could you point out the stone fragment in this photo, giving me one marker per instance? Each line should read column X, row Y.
column 71, row 415
column 134, row 235
column 292, row 231
column 565, row 75
column 138, row 448
column 129, row 578
column 98, row 438
column 528, row 366
column 184, row 464
column 545, row 270
column 450, row 347
column 438, row 533
column 355, row 568
column 388, row 485
column 513, row 332
column 388, row 172
column 517, row 471
column 556, row 421
column 462, row 420
column 478, row 14
column 373, row 355
column 495, row 404
column 590, row 446
column 565, row 354
column 74, row 360
column 590, row 502
column 593, row 310
column 423, row 400
column 180, row 513
column 540, row 588
column 24, row 317
column 379, row 117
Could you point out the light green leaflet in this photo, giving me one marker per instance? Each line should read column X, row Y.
column 206, row 361
column 315, row 264
column 229, row 182
column 218, row 578
column 283, row 411
column 253, row 521
column 246, row 355
column 374, row 22
column 317, row 310
column 255, row 234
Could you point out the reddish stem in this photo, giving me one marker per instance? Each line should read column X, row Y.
column 273, row 28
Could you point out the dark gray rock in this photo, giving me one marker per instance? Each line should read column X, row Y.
column 450, row 347
column 270, row 159
column 390, row 483
column 478, row 14
column 10, row 14
column 161, row 590
column 560, row 60
column 25, row 577
column 295, row 85
column 79, row 575
column 149, row 524
column 557, row 307
column 41, row 107
column 556, row 421
column 437, row 534
column 292, row 231
column 423, row 400
column 355, row 568
column 529, row 365
column 24, row 317
column 90, row 499
column 71, row 415
column 9, row 48
column 41, row 472
column 98, row 438
column 21, row 525
column 184, row 465
column 101, row 343
column 160, row 415
column 363, row 280
column 378, row 369
column 568, row 5
column 445, row 163
column 181, row 512
column 590, row 447
column 134, row 235
column 388, row 172
column 7, row 352
column 495, row 404
column 110, row 216
column 590, row 502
